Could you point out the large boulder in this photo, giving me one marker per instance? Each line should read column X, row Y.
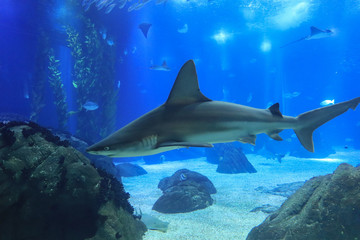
column 186, row 177
column 326, row 207
column 230, row 159
column 49, row 190
column 129, row 170
column 184, row 191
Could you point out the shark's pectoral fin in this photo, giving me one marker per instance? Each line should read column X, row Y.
column 248, row 139
column 184, row 144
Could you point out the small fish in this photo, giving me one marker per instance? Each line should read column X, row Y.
column 72, row 113
column 103, row 3
column 118, row 84
column 125, row 52
column 160, row 2
column 162, row 67
column 139, row 4
column 74, row 84
column 249, row 98
column 110, row 42
column 327, row 102
column 110, row 8
column 133, row 50
column 183, row 29
column 183, row 177
column 103, row 34
column 122, row 3
column 291, row 95
column 90, row 106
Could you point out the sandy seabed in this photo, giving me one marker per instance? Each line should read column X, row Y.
column 229, row 217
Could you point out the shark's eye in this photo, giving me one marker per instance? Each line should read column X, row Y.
column 106, row 148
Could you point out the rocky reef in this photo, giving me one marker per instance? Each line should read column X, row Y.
column 49, row 190
column 326, row 207
column 184, row 191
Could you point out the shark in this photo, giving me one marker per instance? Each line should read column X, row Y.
column 162, row 67
column 315, row 33
column 189, row 119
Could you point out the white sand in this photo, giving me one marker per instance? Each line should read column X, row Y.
column 229, row 217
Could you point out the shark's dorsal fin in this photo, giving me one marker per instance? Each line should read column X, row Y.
column 186, row 87
column 315, row 30
column 274, row 109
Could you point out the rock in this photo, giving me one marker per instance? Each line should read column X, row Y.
column 49, row 190
column 187, row 177
column 230, row 159
column 326, row 207
column 129, row 170
column 184, row 191
column 181, row 199
column 285, row 189
column 266, row 208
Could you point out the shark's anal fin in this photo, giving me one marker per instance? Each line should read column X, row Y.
column 274, row 135
column 274, row 109
column 183, row 144
column 248, row 139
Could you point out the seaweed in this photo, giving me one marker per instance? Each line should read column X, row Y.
column 58, row 89
column 93, row 78
column 112, row 189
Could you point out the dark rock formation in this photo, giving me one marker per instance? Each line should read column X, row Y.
column 230, row 159
column 326, row 207
column 285, row 189
column 184, row 191
column 129, row 170
column 51, row 191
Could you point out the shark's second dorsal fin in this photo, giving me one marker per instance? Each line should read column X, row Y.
column 274, row 109
column 186, row 87
column 315, row 30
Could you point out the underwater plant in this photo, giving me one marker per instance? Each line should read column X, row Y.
column 93, row 79
column 58, row 89
column 40, row 76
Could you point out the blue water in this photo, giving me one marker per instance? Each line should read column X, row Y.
column 235, row 46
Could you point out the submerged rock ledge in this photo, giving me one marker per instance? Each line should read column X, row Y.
column 49, row 190
column 325, row 208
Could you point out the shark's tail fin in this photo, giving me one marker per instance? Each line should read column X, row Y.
column 311, row 120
